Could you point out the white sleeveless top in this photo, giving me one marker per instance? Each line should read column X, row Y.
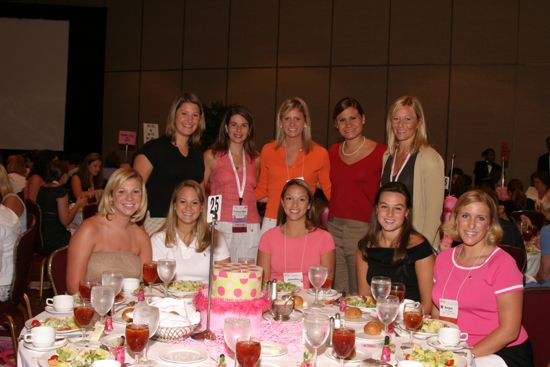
column 23, row 216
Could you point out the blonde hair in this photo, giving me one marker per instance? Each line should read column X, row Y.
column 494, row 233
column 287, row 106
column 16, row 164
column 421, row 136
column 5, row 184
column 185, row 97
column 201, row 230
column 121, row 175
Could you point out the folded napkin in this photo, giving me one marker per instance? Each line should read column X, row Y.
column 176, row 312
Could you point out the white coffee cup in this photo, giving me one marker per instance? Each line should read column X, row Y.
column 129, row 285
column 61, row 303
column 410, row 364
column 41, row 336
column 450, row 336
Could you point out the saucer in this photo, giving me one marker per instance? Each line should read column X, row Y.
column 434, row 342
column 52, row 310
column 58, row 344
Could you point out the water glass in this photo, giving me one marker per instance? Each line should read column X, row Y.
column 317, row 275
column 380, row 287
column 103, row 298
column 316, row 331
column 387, row 308
column 150, row 316
column 235, row 328
column 166, row 269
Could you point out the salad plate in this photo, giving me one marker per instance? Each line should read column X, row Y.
column 184, row 288
column 371, row 338
column 184, row 355
column 285, row 288
column 62, row 325
column 324, row 293
column 58, row 344
column 435, row 358
column 364, row 303
column 434, row 342
column 52, row 310
column 271, row 349
column 74, row 357
column 430, row 327
column 358, row 358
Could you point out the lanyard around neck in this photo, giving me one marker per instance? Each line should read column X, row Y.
column 240, row 187
column 400, row 170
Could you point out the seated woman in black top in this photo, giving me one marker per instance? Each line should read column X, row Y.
column 394, row 249
column 53, row 200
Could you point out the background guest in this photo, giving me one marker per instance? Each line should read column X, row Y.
column 543, row 275
column 540, row 182
column 10, row 229
column 186, row 236
column 111, row 240
column 88, row 179
column 394, row 249
column 287, row 251
column 231, row 170
column 174, row 157
column 292, row 155
column 482, row 282
column 543, row 163
column 11, row 200
column 487, row 171
column 17, row 172
column 355, row 170
column 36, row 176
column 412, row 161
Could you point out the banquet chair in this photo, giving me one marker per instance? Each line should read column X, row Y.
column 34, row 208
column 18, row 299
column 57, row 270
column 536, row 319
column 519, row 255
column 536, row 218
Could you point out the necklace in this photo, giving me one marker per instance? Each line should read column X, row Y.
column 342, row 150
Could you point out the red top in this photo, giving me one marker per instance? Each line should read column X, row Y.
column 354, row 185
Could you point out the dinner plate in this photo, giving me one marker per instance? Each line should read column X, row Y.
column 434, row 342
column 57, row 344
column 360, row 355
column 323, row 293
column 368, row 337
column 362, row 307
column 271, row 349
column 50, row 309
column 460, row 361
column 423, row 334
column 362, row 320
column 111, row 340
column 295, row 316
column 181, row 294
column 28, row 325
column 184, row 355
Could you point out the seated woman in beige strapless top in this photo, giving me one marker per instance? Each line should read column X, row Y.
column 111, row 240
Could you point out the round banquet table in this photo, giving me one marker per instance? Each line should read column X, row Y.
column 287, row 333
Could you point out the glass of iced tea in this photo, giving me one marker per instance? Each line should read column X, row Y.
column 343, row 342
column 137, row 336
column 83, row 315
column 398, row 289
column 248, row 352
column 85, row 288
column 150, row 274
column 412, row 318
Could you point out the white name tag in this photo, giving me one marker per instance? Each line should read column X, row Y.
column 448, row 309
column 295, row 278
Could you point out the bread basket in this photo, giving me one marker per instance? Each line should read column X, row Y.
column 174, row 334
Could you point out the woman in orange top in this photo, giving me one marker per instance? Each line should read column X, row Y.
column 292, row 155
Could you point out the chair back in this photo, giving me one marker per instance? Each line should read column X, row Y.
column 519, row 255
column 89, row 211
column 57, row 270
column 34, row 208
column 535, row 217
column 536, row 319
column 23, row 256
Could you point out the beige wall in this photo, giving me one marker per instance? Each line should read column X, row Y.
column 481, row 68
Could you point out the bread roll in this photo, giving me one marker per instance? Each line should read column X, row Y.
column 298, row 302
column 127, row 314
column 353, row 313
column 373, row 327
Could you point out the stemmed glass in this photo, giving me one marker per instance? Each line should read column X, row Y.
column 148, row 315
column 343, row 342
column 235, row 328
column 103, row 298
column 150, row 274
column 316, row 330
column 412, row 318
column 113, row 280
column 380, row 287
column 83, row 315
column 137, row 336
column 247, row 351
column 387, row 308
column 166, row 269
column 317, row 275
column 85, row 288
column 398, row 289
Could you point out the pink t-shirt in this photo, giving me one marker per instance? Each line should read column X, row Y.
column 295, row 254
column 477, row 300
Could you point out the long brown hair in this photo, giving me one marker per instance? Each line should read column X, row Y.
column 310, row 214
column 221, row 145
column 83, row 172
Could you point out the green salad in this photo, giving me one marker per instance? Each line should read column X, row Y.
column 73, row 357
column 285, row 287
column 185, row 285
column 60, row 323
column 431, row 358
column 359, row 301
column 431, row 326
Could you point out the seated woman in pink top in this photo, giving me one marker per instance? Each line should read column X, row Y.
column 479, row 286
column 231, row 168
column 288, row 250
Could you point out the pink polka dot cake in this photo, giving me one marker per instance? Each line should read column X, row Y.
column 236, row 292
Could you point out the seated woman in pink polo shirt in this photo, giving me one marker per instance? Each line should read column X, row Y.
column 479, row 286
column 288, row 250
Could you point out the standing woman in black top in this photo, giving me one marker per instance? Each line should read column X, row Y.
column 174, row 157
column 393, row 248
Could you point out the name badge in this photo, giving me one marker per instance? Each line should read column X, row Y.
column 295, row 278
column 448, row 310
column 239, row 218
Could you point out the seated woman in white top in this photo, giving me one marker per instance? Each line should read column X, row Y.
column 186, row 236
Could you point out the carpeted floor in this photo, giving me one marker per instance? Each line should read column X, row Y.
column 7, row 354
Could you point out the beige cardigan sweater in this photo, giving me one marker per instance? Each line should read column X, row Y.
column 428, row 195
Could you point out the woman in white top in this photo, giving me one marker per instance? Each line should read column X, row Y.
column 186, row 236
column 11, row 200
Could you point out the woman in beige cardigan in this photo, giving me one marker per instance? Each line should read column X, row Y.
column 410, row 160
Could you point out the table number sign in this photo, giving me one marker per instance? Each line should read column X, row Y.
column 127, row 137
column 214, row 211
column 150, row 132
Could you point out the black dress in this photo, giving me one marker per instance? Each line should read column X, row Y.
column 54, row 233
column 379, row 260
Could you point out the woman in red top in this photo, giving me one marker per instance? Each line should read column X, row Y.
column 356, row 166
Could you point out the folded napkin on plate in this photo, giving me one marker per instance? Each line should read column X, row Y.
column 176, row 312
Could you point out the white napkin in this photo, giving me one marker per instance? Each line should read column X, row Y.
column 176, row 312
